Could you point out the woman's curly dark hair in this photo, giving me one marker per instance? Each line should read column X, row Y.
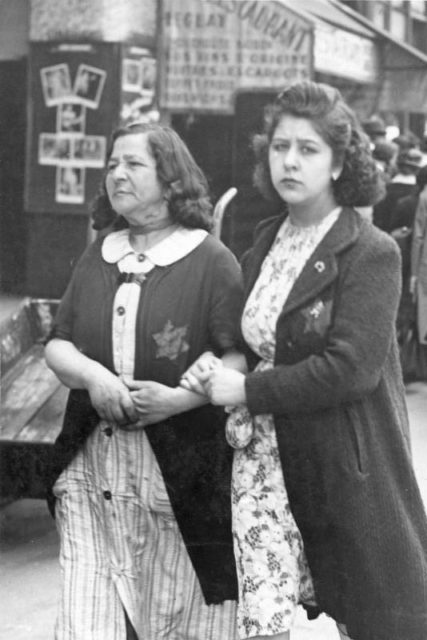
column 360, row 183
column 184, row 182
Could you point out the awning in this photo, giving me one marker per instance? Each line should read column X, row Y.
column 348, row 45
column 403, row 78
column 342, row 46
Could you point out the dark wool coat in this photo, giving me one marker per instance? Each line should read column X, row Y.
column 201, row 295
column 337, row 396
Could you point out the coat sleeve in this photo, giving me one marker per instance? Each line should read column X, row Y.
column 358, row 342
column 418, row 235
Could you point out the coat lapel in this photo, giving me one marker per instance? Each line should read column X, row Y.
column 322, row 267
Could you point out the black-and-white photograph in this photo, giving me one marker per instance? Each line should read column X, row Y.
column 89, row 151
column 132, row 75
column 56, row 84
column 55, row 149
column 88, row 85
column 71, row 118
column 70, row 184
column 149, row 74
column 213, row 320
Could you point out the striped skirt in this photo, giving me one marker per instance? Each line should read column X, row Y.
column 121, row 549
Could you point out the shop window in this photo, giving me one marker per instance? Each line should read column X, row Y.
column 209, row 138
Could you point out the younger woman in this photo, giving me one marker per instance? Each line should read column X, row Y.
column 326, row 508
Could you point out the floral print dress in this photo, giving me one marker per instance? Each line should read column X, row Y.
column 272, row 569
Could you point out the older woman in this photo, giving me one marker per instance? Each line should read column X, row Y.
column 144, row 513
column 326, row 508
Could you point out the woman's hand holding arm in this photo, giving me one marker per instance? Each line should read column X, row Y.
column 196, row 377
column 155, row 402
column 109, row 395
column 226, row 387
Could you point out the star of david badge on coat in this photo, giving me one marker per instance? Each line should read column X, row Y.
column 171, row 341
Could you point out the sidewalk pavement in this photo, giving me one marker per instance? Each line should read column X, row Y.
column 30, row 580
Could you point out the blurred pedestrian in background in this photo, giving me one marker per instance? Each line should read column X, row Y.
column 141, row 469
column 418, row 285
column 375, row 129
column 385, row 155
column 402, row 184
column 402, row 230
column 407, row 140
column 326, row 507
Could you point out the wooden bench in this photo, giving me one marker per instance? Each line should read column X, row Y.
column 32, row 400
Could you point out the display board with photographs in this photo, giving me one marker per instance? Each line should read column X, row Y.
column 79, row 93
column 69, row 148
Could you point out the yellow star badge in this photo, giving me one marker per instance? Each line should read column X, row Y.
column 171, row 341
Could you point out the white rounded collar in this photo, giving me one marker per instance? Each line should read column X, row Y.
column 176, row 246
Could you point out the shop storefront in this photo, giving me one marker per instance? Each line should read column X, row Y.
column 206, row 67
column 401, row 83
column 221, row 62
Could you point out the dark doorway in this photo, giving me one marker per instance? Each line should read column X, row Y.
column 13, row 76
column 209, row 138
column 249, row 207
column 222, row 146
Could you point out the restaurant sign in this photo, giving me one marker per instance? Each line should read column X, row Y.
column 214, row 48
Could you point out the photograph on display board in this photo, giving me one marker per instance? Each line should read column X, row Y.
column 56, row 84
column 90, row 151
column 70, row 184
column 71, row 118
column 132, row 75
column 55, row 149
column 88, row 85
column 149, row 75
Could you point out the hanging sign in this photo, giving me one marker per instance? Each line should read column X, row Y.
column 215, row 48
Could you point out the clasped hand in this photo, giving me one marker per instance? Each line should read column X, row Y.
column 208, row 376
column 131, row 404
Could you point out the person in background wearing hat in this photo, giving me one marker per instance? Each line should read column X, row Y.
column 385, row 155
column 402, row 184
column 375, row 129
column 407, row 140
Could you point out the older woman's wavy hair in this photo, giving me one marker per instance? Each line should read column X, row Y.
column 360, row 182
column 184, row 182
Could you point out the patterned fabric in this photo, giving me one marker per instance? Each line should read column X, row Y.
column 121, row 547
column 272, row 569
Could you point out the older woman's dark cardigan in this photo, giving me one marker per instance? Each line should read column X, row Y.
column 194, row 303
column 337, row 396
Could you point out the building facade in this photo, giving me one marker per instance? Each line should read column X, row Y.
column 74, row 69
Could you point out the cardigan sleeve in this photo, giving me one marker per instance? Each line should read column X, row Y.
column 358, row 342
column 63, row 322
column 226, row 300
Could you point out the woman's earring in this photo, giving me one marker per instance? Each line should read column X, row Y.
column 335, row 175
